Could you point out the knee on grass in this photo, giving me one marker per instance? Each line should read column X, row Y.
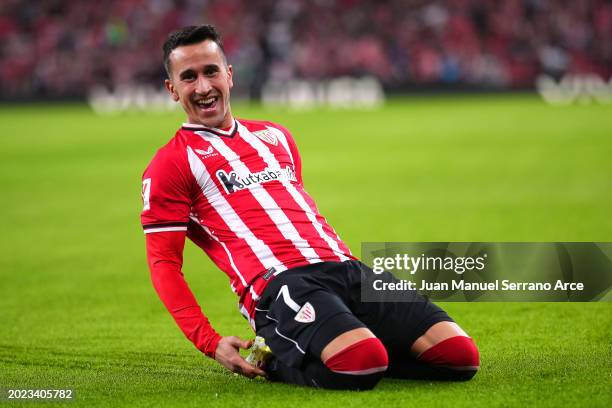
column 457, row 357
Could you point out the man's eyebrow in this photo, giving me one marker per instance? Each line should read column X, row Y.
column 207, row 67
column 186, row 72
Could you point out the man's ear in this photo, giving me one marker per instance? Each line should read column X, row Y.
column 170, row 89
column 230, row 73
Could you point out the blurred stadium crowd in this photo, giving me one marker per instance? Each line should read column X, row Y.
column 64, row 47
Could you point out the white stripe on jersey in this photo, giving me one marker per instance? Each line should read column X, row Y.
column 281, row 136
column 229, row 216
column 254, row 294
column 283, row 139
column 271, row 207
column 271, row 161
column 245, row 313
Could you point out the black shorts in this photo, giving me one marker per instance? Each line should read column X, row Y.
column 305, row 308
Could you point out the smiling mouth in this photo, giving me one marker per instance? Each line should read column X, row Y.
column 208, row 103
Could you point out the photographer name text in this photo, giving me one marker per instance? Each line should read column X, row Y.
column 504, row 285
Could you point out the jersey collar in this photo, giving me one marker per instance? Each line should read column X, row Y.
column 218, row 132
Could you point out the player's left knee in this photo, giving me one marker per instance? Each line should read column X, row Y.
column 457, row 355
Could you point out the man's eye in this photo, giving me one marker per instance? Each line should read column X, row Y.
column 210, row 72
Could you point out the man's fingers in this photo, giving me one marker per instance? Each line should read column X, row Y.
column 259, row 372
column 228, row 356
column 238, row 342
column 256, row 371
column 244, row 344
column 244, row 368
column 240, row 366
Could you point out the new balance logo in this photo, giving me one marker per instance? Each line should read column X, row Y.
column 306, row 314
column 206, row 153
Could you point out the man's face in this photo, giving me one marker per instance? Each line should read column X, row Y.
column 201, row 80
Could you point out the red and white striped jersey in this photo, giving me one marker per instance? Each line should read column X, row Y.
column 239, row 195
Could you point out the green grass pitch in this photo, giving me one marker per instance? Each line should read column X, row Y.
column 77, row 309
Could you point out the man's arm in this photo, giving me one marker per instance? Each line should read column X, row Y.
column 165, row 259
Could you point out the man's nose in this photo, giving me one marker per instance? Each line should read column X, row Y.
column 203, row 85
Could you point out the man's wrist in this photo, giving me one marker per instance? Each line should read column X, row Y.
column 211, row 346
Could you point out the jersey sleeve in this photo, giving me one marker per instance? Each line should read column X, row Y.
column 165, row 259
column 293, row 150
column 166, row 194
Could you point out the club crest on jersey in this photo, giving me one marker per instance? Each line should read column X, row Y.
column 267, row 136
column 206, row 153
column 306, row 314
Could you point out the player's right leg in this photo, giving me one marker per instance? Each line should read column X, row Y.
column 358, row 354
column 315, row 339
column 355, row 359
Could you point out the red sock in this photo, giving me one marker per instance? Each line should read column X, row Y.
column 364, row 357
column 456, row 352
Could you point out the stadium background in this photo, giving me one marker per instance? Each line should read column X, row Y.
column 461, row 148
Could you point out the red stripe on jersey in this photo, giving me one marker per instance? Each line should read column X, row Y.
column 222, row 257
column 328, row 229
column 320, row 240
column 249, row 210
column 283, row 232
column 229, row 252
column 289, row 211
column 304, row 225
column 227, row 211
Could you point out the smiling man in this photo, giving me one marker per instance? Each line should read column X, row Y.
column 234, row 187
column 200, row 78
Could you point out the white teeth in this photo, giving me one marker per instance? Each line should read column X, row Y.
column 207, row 101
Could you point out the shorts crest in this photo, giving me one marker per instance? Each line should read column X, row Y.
column 306, row 314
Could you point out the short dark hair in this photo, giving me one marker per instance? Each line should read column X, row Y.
column 190, row 35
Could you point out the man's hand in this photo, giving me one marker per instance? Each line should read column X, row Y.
column 227, row 354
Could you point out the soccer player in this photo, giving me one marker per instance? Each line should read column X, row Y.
column 234, row 187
